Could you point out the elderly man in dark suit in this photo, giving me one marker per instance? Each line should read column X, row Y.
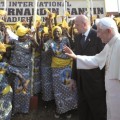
column 90, row 83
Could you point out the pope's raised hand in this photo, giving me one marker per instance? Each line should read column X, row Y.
column 69, row 52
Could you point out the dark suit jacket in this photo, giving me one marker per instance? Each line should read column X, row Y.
column 90, row 82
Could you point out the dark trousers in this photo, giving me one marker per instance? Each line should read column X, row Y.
column 92, row 108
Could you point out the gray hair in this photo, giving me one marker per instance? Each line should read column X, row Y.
column 108, row 23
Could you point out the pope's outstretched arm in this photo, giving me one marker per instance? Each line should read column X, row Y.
column 86, row 62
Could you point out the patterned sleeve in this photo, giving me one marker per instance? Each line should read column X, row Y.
column 14, row 70
column 3, row 65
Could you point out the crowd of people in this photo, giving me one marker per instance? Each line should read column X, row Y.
column 74, row 64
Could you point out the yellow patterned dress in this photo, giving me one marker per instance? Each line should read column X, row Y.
column 6, row 90
column 65, row 99
column 21, row 59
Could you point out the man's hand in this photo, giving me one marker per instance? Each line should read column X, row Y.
column 69, row 52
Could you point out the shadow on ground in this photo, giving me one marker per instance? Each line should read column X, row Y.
column 44, row 112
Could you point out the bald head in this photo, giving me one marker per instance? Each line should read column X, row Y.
column 82, row 18
column 82, row 23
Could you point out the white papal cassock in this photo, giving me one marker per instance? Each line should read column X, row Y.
column 110, row 58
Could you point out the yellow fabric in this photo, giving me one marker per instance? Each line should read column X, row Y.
column 45, row 30
column 17, row 24
column 64, row 24
column 1, row 57
column 37, row 22
column 2, row 71
column 59, row 63
column 56, row 27
column 21, row 31
column 2, row 47
column 47, row 10
column 59, row 16
column 67, row 14
column 6, row 90
column 38, row 18
column 75, row 30
column 3, row 12
column 6, row 45
column 2, row 21
column 43, row 23
column 117, row 20
column 53, row 15
column 59, row 24
column 9, row 27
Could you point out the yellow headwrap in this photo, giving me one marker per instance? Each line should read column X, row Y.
column 56, row 27
column 2, row 21
column 3, row 12
column 59, row 24
column 17, row 24
column 9, row 27
column 21, row 31
column 65, row 24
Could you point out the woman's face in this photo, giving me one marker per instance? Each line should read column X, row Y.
column 46, row 37
column 64, row 31
column 56, row 33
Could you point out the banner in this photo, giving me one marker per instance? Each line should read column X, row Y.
column 23, row 9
